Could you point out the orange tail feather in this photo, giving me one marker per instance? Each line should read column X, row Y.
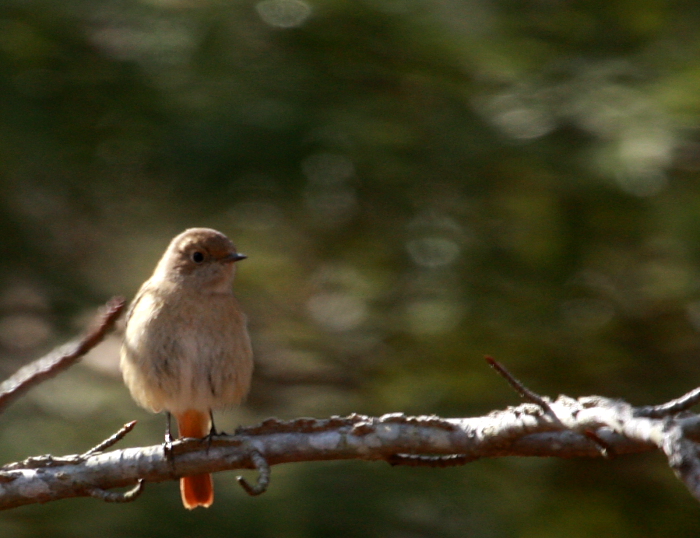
column 196, row 490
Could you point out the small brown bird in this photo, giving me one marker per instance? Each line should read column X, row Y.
column 186, row 347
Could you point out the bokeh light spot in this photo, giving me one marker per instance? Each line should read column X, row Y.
column 283, row 13
column 337, row 311
column 433, row 251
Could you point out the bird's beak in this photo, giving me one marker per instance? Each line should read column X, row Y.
column 234, row 257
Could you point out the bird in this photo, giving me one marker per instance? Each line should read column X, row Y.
column 186, row 348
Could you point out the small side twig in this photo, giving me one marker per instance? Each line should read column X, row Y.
column 112, row 440
column 118, row 497
column 60, row 358
column 521, row 389
column 673, row 407
column 263, row 475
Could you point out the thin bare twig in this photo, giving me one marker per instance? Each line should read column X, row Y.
column 521, row 389
column 110, row 441
column 673, row 407
column 263, row 475
column 118, row 497
column 60, row 358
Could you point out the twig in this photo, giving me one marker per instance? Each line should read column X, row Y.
column 263, row 475
column 60, row 358
column 114, row 439
column 518, row 386
column 673, row 407
column 117, row 497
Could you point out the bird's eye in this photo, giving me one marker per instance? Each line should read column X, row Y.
column 197, row 257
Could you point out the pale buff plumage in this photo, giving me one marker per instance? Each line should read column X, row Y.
column 186, row 348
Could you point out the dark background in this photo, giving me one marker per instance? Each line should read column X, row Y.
column 417, row 184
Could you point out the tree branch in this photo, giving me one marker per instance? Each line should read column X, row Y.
column 60, row 358
column 591, row 426
column 398, row 439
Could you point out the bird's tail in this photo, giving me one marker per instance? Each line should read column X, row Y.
column 197, row 490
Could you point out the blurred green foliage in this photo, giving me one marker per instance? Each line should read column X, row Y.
column 417, row 183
